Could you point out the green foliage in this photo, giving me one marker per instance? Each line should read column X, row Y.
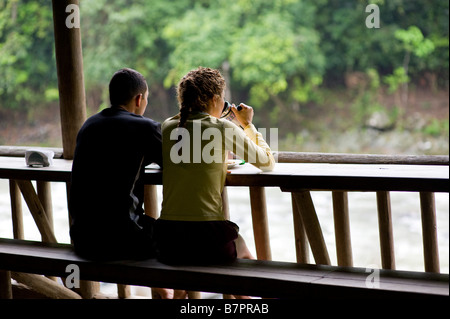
column 414, row 41
column 27, row 65
column 395, row 80
column 437, row 128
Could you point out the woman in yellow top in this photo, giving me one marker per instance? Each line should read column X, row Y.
column 192, row 228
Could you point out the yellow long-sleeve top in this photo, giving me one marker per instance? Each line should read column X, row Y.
column 195, row 164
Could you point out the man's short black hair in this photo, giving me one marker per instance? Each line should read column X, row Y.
column 125, row 85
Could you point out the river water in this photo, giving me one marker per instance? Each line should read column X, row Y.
column 363, row 224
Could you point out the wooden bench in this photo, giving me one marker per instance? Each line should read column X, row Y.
column 243, row 277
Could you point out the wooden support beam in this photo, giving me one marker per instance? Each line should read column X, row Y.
column 429, row 232
column 16, row 210
column 151, row 201
column 5, row 285
column 301, row 240
column 225, row 204
column 69, row 63
column 44, row 192
column 45, row 286
column 36, row 210
column 312, row 227
column 385, row 230
column 342, row 229
column 123, row 291
column 260, row 223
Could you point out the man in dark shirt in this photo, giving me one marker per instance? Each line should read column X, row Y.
column 107, row 193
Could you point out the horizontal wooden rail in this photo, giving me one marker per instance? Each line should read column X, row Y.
column 295, row 157
column 19, row 151
column 342, row 158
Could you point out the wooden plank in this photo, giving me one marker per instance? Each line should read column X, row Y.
column 16, row 168
column 429, row 232
column 385, row 230
column 342, row 229
column 346, row 177
column 312, row 227
column 244, row 277
column 260, row 223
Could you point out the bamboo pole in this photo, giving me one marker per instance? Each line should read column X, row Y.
column 429, row 232
column 301, row 240
column 16, row 210
column 69, row 63
column 342, row 229
column 45, row 286
column 260, row 223
column 312, row 227
column 385, row 230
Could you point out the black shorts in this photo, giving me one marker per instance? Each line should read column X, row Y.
column 195, row 242
column 110, row 241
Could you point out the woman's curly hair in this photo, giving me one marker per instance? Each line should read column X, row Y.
column 196, row 89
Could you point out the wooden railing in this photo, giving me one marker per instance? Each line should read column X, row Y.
column 341, row 212
column 307, row 228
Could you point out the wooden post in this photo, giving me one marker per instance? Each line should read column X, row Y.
column 151, row 201
column 225, row 204
column 342, row 229
column 16, row 210
column 36, row 210
column 194, row 295
column 44, row 192
column 123, row 291
column 151, row 209
column 301, row 240
column 260, row 223
column 385, row 230
column 5, row 285
column 69, row 63
column 311, row 223
column 429, row 232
